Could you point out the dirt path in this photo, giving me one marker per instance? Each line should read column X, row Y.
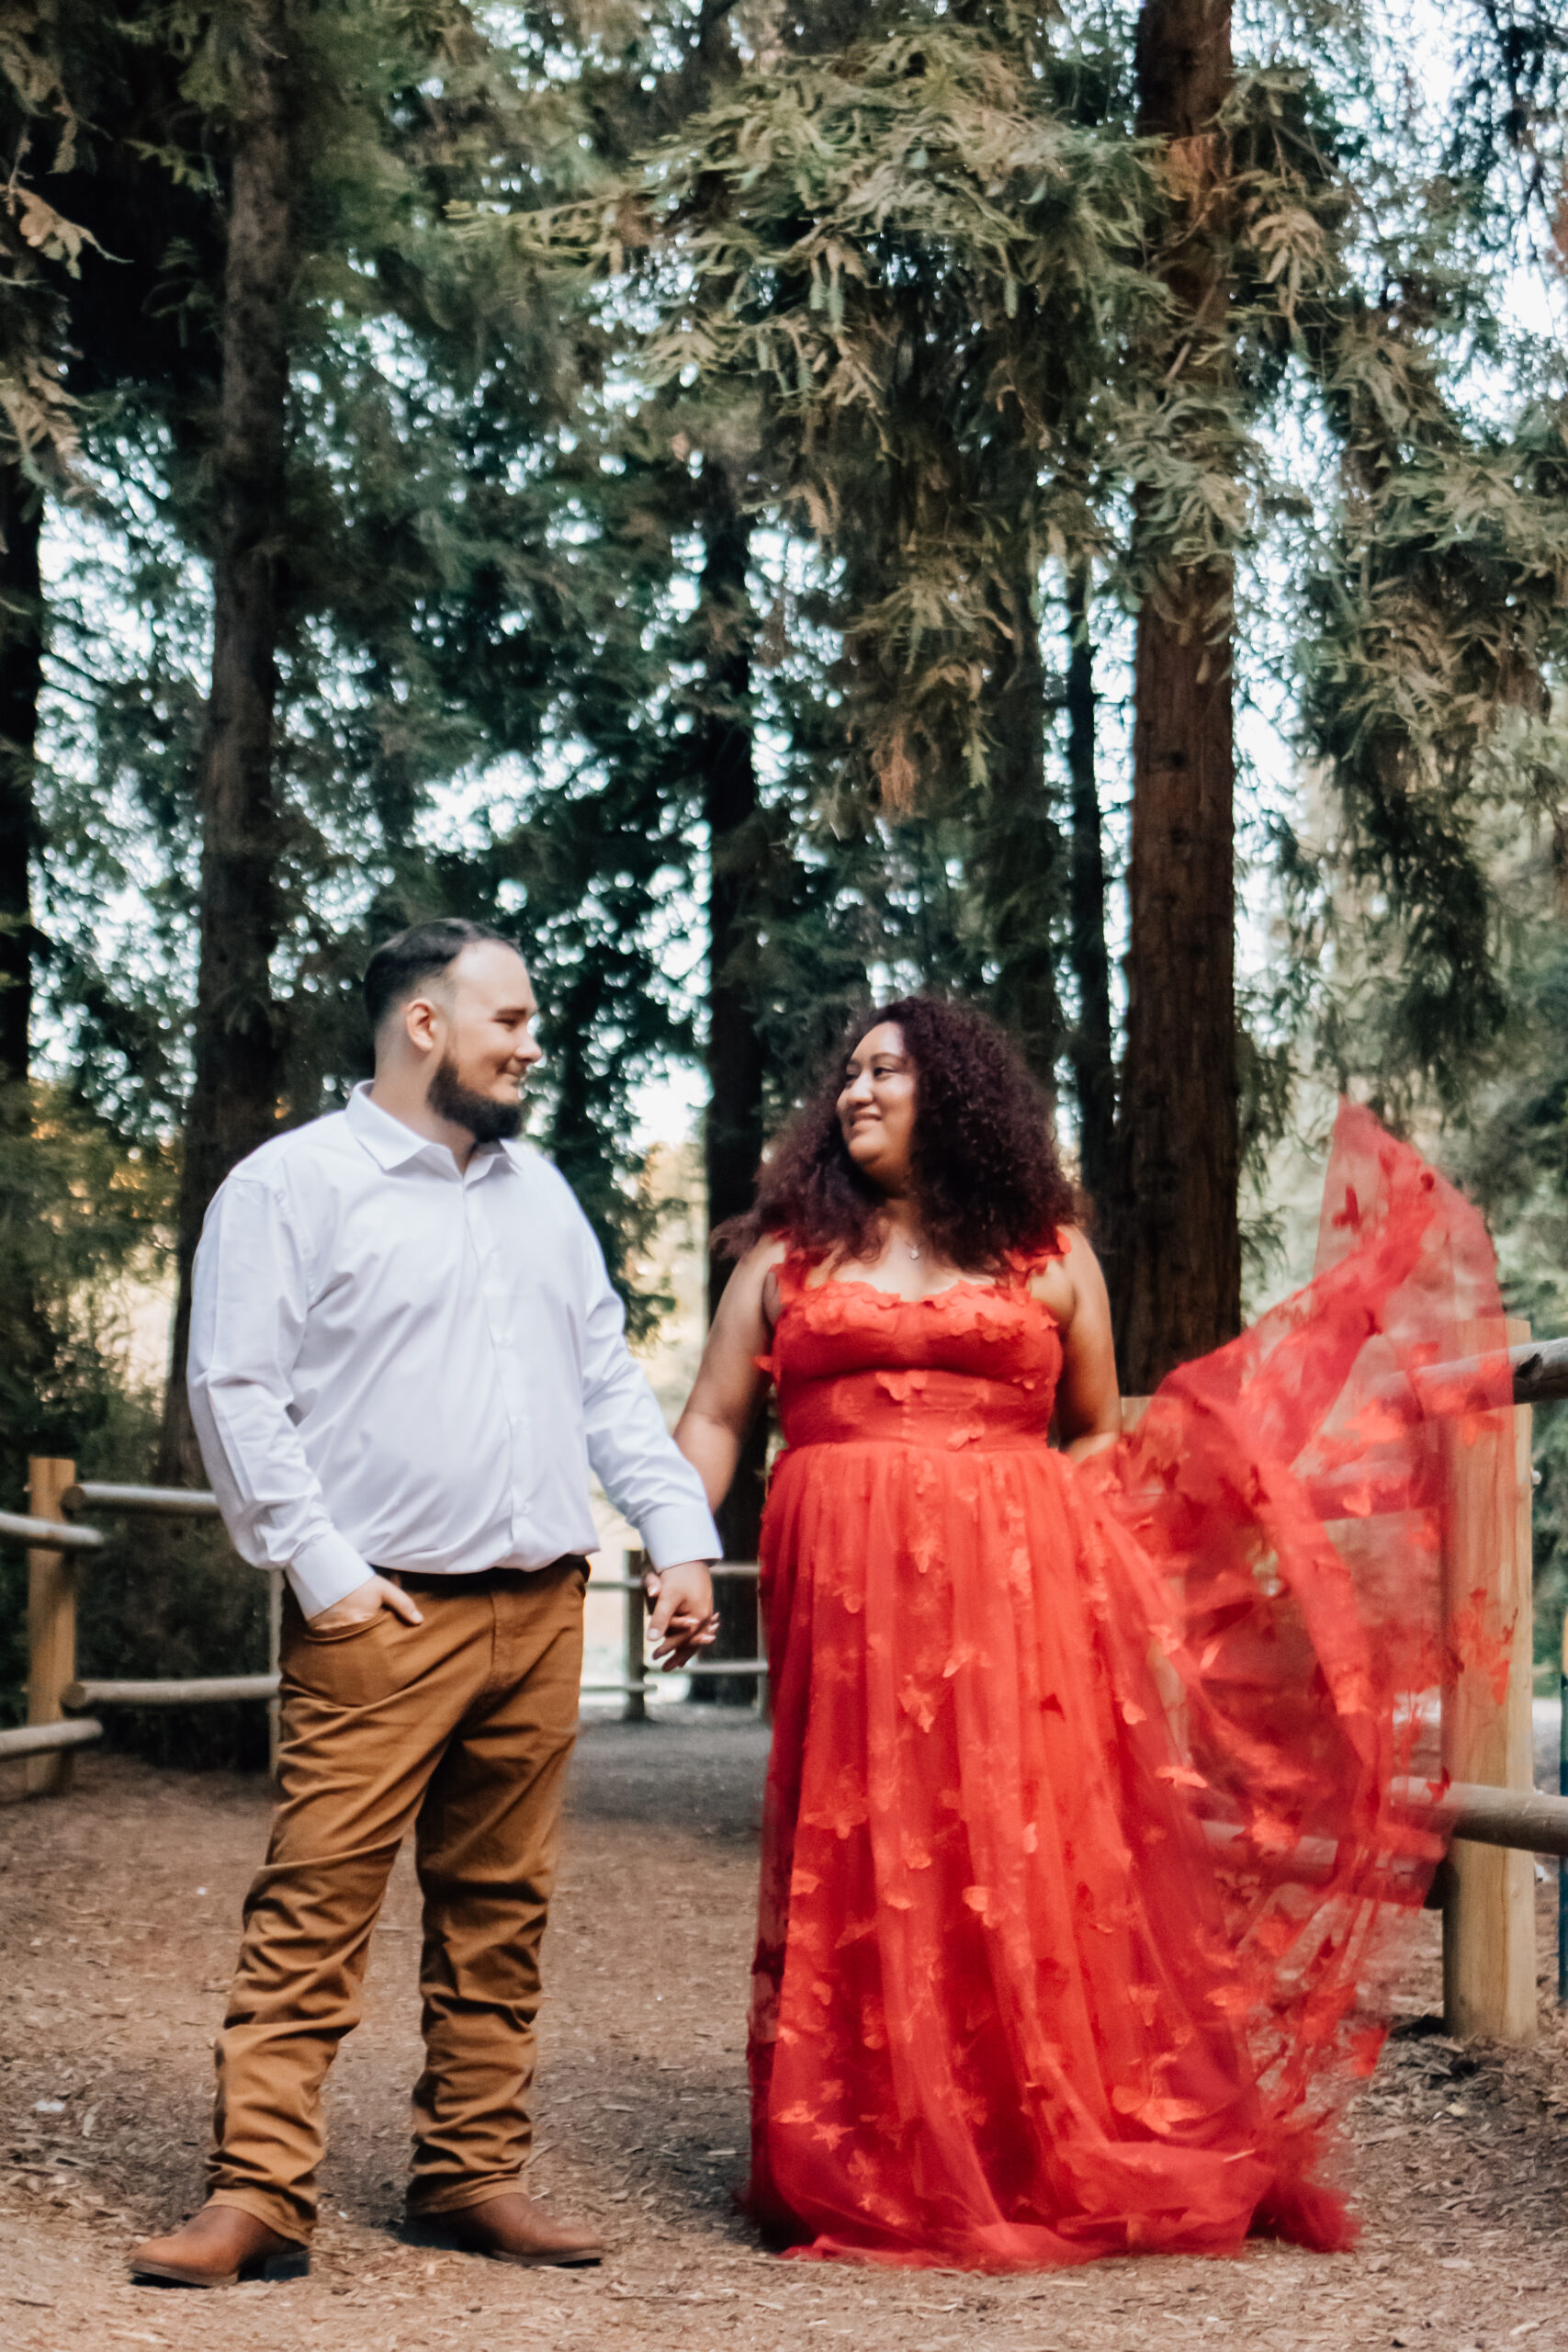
column 117, row 1911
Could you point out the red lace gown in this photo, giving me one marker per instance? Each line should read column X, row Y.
column 1089, row 1837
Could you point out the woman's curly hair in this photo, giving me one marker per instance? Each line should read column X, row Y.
column 987, row 1179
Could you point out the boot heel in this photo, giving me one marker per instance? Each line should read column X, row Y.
column 276, row 2267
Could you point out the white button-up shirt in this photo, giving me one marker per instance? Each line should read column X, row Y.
column 397, row 1363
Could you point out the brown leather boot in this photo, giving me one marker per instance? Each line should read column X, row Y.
column 513, row 2228
column 218, row 2247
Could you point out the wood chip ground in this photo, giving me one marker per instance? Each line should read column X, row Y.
column 117, row 1912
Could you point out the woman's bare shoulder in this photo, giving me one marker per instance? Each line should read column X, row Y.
column 1077, row 1250
column 759, row 1273
column 1061, row 1280
column 752, row 1284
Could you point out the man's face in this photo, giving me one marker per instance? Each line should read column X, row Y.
column 487, row 1010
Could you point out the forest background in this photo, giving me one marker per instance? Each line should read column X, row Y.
column 772, row 504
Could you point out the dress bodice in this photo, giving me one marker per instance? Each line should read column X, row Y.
column 976, row 1364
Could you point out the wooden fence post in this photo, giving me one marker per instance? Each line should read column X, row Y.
column 1489, row 1917
column 51, row 1624
column 636, row 1708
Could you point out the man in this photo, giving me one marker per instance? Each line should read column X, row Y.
column 405, row 1354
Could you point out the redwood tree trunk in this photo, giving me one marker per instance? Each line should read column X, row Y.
column 732, row 1134
column 1021, row 838
column 21, row 665
column 237, row 1049
column 25, row 1334
column 1175, row 1257
column 1093, row 1070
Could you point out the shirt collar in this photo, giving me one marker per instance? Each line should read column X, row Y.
column 392, row 1145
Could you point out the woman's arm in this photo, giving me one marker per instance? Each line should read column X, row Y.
column 1088, row 1405
column 712, row 1430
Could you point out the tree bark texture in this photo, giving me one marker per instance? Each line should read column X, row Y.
column 29, row 1411
column 1093, row 1068
column 732, row 1132
column 1021, row 843
column 21, row 670
column 237, row 1045
column 1175, row 1260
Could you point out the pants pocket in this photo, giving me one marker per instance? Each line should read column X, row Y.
column 333, row 1634
column 353, row 1664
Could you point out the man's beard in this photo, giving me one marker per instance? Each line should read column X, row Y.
column 486, row 1121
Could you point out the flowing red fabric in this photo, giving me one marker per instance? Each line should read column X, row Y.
column 1090, row 1838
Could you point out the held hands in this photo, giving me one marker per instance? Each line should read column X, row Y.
column 684, row 1619
column 366, row 1600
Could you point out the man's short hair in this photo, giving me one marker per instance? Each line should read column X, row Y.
column 401, row 963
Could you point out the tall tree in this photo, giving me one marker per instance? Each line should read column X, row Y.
column 1093, row 1054
column 21, row 664
column 374, row 454
column 724, row 755
column 23, row 1327
column 1175, row 1259
column 1018, row 846
column 39, row 251
column 37, row 439
column 237, row 1052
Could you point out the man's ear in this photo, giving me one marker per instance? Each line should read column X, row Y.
column 421, row 1019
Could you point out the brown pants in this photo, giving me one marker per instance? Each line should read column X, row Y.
column 462, row 1726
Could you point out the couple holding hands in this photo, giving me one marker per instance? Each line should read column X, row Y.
column 1050, row 1963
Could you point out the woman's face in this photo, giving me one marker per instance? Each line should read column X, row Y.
column 876, row 1107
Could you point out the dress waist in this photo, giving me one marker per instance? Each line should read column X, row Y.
column 945, row 1411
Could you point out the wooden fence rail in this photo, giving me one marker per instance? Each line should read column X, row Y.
column 166, row 1502
column 18, row 1530
column 1540, row 1371
column 203, row 1690
column 1522, row 1820
column 47, row 1739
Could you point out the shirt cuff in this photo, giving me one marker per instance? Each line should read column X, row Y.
column 675, row 1531
column 326, row 1570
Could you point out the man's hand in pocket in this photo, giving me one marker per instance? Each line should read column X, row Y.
column 366, row 1600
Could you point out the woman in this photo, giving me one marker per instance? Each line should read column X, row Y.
column 1081, row 1842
